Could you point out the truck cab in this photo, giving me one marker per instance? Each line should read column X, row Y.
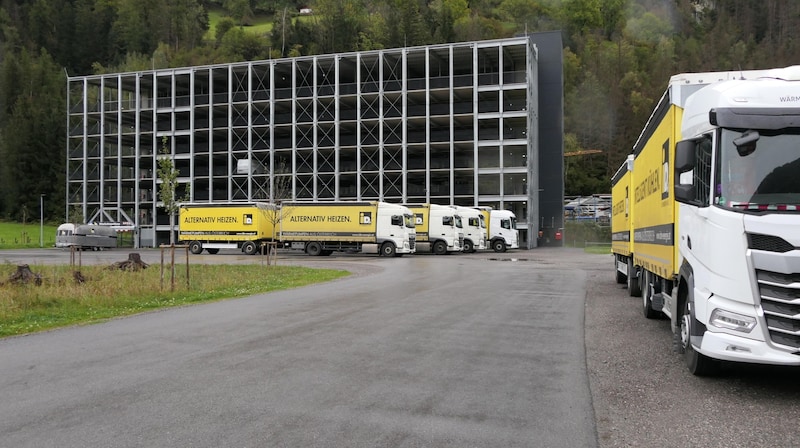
column 439, row 228
column 737, row 182
column 474, row 226
column 502, row 230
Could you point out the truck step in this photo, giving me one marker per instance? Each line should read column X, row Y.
column 658, row 301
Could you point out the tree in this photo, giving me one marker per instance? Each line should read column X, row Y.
column 168, row 186
column 32, row 145
column 280, row 192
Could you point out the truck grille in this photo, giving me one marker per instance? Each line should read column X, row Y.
column 780, row 300
column 768, row 243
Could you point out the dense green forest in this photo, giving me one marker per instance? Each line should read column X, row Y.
column 618, row 56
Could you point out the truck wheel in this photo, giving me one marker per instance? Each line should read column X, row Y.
column 634, row 287
column 195, row 247
column 647, row 295
column 469, row 247
column 212, row 251
column 249, row 248
column 388, row 250
column 698, row 364
column 440, row 248
column 314, row 249
column 499, row 245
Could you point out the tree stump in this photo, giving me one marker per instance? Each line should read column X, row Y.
column 24, row 276
column 78, row 277
column 133, row 263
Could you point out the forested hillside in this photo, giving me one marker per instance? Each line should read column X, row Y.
column 618, row 57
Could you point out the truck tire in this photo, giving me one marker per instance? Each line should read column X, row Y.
column 634, row 287
column 249, row 248
column 468, row 246
column 647, row 295
column 440, row 247
column 499, row 245
column 195, row 247
column 388, row 250
column 212, row 251
column 697, row 363
column 314, row 249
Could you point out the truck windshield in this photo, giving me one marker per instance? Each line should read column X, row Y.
column 458, row 222
column 766, row 178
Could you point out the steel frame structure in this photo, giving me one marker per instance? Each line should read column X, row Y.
column 450, row 124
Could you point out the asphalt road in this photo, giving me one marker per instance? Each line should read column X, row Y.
column 433, row 351
column 533, row 348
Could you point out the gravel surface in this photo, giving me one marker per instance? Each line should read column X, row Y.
column 644, row 395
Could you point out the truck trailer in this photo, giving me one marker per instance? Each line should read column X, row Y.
column 621, row 241
column 439, row 228
column 372, row 227
column 211, row 227
column 714, row 223
column 502, row 228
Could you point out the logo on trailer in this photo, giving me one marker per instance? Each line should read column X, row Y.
column 248, row 219
column 365, row 217
column 418, row 219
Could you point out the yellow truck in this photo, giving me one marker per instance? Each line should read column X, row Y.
column 714, row 220
column 372, row 227
column 212, row 227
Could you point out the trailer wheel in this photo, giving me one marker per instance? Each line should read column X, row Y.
column 195, row 247
column 634, row 286
column 212, row 251
column 249, row 248
column 647, row 295
column 440, row 247
column 388, row 250
column 499, row 245
column 469, row 247
column 698, row 364
column 314, row 249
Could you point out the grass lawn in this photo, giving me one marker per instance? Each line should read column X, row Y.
column 61, row 301
column 15, row 235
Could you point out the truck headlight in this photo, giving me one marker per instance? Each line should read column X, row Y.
column 732, row 321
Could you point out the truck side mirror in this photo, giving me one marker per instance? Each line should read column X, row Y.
column 684, row 156
column 686, row 175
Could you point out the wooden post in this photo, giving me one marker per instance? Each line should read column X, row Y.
column 172, row 266
column 186, row 248
column 162, row 266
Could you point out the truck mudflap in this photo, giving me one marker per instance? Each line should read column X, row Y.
column 728, row 347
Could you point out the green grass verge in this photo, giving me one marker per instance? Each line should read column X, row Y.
column 60, row 301
column 598, row 249
column 15, row 235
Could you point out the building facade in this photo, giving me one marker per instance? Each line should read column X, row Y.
column 448, row 124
